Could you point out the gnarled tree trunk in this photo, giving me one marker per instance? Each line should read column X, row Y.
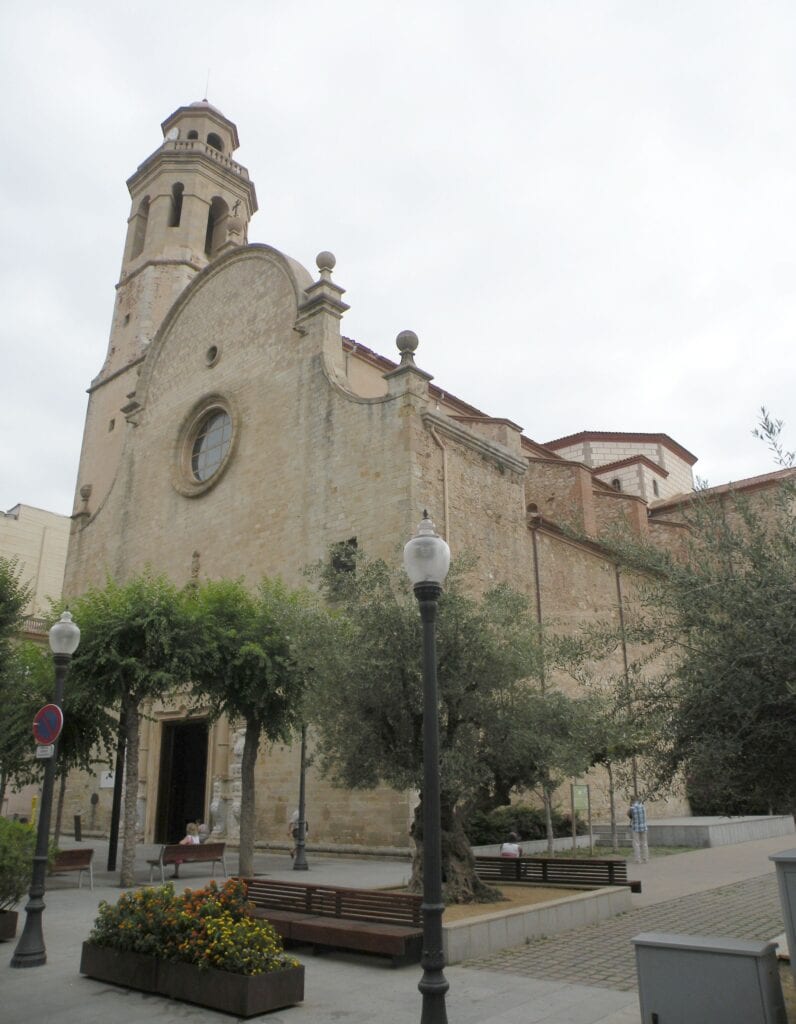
column 460, row 884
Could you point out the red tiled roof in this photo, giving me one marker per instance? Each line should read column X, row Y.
column 751, row 483
column 617, row 435
column 629, row 462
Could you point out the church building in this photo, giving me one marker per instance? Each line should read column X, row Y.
column 234, row 431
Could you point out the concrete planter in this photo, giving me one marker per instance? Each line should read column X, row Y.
column 132, row 970
column 8, row 924
column 505, row 929
column 240, row 994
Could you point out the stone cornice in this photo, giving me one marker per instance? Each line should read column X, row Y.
column 488, row 449
column 158, row 263
column 541, row 525
column 632, row 460
column 98, row 382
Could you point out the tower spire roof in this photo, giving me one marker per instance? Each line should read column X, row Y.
column 199, row 108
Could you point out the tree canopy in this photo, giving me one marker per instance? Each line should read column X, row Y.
column 250, row 668
column 719, row 624
column 369, row 706
column 15, row 681
column 729, row 613
column 136, row 645
column 14, row 596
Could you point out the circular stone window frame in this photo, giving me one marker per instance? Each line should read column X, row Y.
column 183, row 479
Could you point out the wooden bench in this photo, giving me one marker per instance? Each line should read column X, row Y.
column 363, row 920
column 75, row 860
column 593, row 871
column 176, row 854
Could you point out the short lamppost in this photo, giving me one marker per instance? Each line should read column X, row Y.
column 300, row 859
column 426, row 560
column 30, row 951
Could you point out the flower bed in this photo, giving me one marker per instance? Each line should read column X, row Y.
column 199, row 946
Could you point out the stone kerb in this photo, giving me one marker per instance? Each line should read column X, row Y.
column 502, row 929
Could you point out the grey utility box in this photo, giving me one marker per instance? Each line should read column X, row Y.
column 786, row 879
column 690, row 979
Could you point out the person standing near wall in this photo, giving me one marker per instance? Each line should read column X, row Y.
column 637, row 814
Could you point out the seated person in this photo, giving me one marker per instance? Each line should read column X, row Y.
column 511, row 847
column 191, row 835
column 191, row 839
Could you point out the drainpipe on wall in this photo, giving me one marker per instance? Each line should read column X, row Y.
column 444, row 450
column 625, row 663
column 534, row 524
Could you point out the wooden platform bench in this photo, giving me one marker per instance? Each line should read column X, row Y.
column 592, row 871
column 75, row 860
column 323, row 916
column 176, row 854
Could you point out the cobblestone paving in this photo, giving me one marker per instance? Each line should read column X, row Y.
column 603, row 955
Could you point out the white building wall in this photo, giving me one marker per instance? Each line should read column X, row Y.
column 596, row 453
column 38, row 539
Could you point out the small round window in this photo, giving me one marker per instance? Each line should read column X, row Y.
column 211, row 444
column 205, row 445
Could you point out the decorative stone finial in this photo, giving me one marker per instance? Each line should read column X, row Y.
column 325, row 262
column 407, row 343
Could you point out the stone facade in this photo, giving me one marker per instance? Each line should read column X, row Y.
column 328, row 441
column 651, row 466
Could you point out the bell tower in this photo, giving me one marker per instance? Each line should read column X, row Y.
column 191, row 202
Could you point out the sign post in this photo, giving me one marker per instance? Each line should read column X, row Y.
column 47, row 724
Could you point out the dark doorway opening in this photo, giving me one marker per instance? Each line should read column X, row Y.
column 181, row 783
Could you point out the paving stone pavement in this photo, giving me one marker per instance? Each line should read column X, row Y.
column 603, row 954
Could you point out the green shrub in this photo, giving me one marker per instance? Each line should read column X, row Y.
column 528, row 822
column 17, row 846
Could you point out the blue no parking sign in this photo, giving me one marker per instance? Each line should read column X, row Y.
column 47, row 724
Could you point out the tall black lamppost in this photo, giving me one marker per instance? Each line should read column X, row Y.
column 427, row 559
column 30, row 951
column 300, row 860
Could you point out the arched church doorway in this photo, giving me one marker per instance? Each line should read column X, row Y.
column 182, row 778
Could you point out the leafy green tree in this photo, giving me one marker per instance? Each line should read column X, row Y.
column 26, row 683
column 729, row 613
column 369, row 701
column 136, row 645
column 720, row 618
column 626, row 715
column 23, row 689
column 14, row 596
column 88, row 730
column 560, row 740
column 250, row 670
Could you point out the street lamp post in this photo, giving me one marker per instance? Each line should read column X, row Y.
column 31, row 952
column 426, row 560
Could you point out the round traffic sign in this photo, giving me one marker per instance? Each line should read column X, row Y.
column 47, row 724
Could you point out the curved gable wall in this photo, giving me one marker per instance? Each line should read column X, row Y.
column 311, row 464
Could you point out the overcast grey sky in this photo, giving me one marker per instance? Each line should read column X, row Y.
column 585, row 210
